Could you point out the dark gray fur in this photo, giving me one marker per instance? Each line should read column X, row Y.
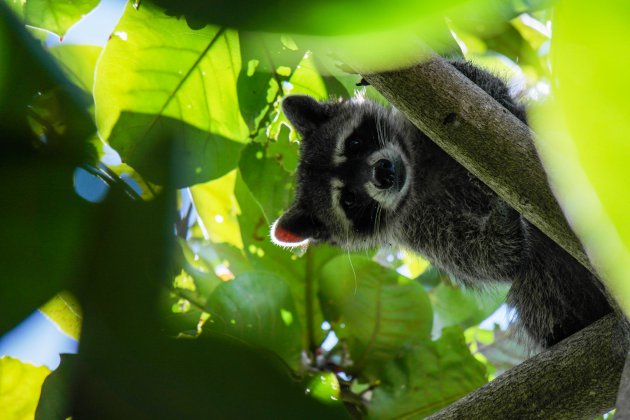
column 445, row 215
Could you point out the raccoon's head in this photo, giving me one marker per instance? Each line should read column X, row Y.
column 354, row 173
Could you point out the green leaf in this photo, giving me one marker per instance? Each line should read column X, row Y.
column 65, row 312
column 584, row 133
column 368, row 307
column 301, row 274
column 426, row 378
column 270, row 184
column 56, row 392
column 162, row 73
column 78, row 63
column 217, row 207
column 57, row 16
column 20, row 386
column 258, row 309
column 267, row 62
column 199, row 155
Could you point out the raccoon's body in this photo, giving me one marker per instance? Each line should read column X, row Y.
column 368, row 177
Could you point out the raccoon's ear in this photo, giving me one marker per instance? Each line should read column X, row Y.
column 295, row 228
column 305, row 113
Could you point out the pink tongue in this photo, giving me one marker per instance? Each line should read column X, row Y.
column 286, row 236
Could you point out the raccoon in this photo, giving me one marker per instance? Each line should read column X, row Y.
column 368, row 177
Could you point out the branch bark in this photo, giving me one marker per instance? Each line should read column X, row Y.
column 575, row 379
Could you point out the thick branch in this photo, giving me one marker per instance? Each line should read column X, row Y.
column 576, row 379
column 481, row 135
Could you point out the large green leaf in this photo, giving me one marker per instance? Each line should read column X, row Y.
column 258, row 308
column 198, row 154
column 584, row 133
column 372, row 310
column 78, row 63
column 426, row 378
column 157, row 67
column 56, row 15
column 20, row 386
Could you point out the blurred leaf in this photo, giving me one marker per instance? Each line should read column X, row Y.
column 65, row 312
column 56, row 392
column 584, row 133
column 371, row 310
column 45, row 220
column 175, row 80
column 258, row 309
column 129, row 370
column 267, row 62
column 320, row 17
column 57, row 16
column 427, row 377
column 17, row 6
column 217, row 207
column 198, row 154
column 20, row 386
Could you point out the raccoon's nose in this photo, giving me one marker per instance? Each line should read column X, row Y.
column 383, row 174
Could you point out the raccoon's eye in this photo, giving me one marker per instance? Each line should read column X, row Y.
column 349, row 199
column 353, row 144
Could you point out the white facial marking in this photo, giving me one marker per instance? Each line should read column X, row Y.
column 338, row 157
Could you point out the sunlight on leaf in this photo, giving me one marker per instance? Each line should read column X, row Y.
column 168, row 72
column 65, row 312
column 57, row 16
column 20, row 387
column 218, row 209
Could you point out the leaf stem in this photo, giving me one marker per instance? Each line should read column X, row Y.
column 309, row 299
